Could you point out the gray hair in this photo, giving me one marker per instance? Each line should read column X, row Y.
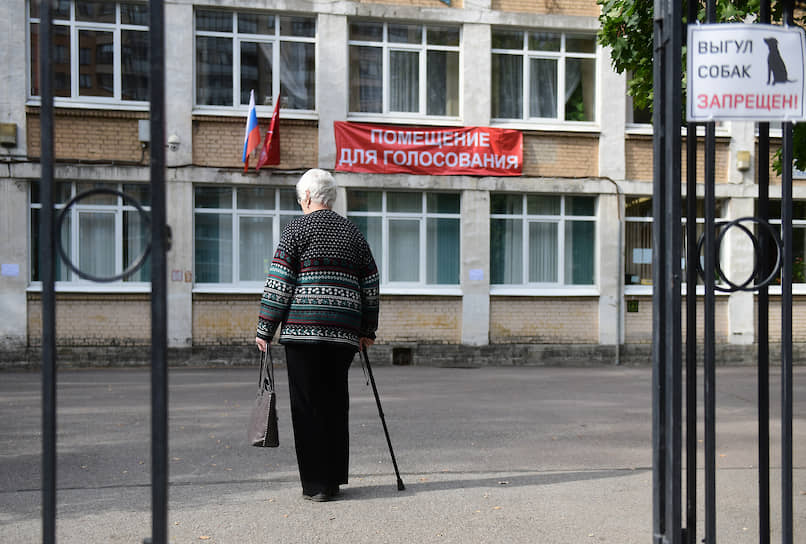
column 320, row 185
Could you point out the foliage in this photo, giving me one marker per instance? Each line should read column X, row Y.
column 626, row 27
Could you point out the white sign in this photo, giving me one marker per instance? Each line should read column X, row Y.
column 750, row 72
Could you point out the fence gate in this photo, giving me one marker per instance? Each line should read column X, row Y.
column 667, row 354
column 50, row 245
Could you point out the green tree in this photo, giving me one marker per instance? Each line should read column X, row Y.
column 626, row 27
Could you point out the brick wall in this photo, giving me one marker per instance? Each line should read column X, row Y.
column 423, row 319
column 554, row 7
column 639, row 156
column 559, row 155
column 798, row 319
column 89, row 134
column 224, row 319
column 218, row 141
column 86, row 319
column 544, row 320
column 638, row 325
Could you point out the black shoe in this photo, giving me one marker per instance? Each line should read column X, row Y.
column 323, row 496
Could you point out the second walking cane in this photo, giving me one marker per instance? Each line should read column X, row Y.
column 400, row 486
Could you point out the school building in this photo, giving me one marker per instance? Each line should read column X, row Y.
column 552, row 264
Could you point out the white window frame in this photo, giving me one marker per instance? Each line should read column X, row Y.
column 75, row 26
column 422, row 48
column 420, row 286
column 76, row 283
column 637, row 289
column 550, row 288
column 236, row 39
column 277, row 214
column 561, row 56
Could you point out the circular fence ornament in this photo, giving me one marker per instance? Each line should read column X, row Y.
column 747, row 285
column 137, row 264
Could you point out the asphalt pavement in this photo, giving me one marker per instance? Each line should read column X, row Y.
column 488, row 455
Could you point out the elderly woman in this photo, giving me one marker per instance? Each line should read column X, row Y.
column 322, row 287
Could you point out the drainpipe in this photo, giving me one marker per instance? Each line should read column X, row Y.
column 619, row 272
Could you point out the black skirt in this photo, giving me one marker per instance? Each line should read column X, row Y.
column 320, row 405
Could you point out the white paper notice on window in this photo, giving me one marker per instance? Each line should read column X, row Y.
column 642, row 255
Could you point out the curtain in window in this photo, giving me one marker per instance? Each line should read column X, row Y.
column 543, row 252
column 96, row 243
column 507, row 86
column 404, row 250
column 297, row 75
column 404, row 81
column 638, row 249
column 136, row 235
column 506, row 251
column 442, row 262
column 443, row 83
column 255, row 248
column 371, row 228
column 579, row 252
column 579, row 89
column 543, row 87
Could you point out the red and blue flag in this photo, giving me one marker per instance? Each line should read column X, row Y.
column 251, row 139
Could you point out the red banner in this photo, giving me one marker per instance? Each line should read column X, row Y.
column 386, row 149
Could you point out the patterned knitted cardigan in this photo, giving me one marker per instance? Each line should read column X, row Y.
column 322, row 284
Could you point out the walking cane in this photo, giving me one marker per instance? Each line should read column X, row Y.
column 400, row 486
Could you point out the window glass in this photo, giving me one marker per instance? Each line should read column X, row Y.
column 442, row 36
column 543, row 204
column 556, row 71
column 544, row 41
column 442, row 203
column 405, row 33
column 102, row 234
column 213, row 197
column 234, row 244
column 404, row 202
column 543, row 245
column 507, row 39
column 255, row 23
column 274, row 55
column 94, row 57
column 420, row 247
column 392, row 68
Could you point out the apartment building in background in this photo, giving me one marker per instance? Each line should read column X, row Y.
column 552, row 264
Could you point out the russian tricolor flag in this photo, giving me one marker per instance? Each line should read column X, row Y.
column 251, row 139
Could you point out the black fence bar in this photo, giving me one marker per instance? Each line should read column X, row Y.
column 658, row 278
column 47, row 270
column 159, row 274
column 763, row 322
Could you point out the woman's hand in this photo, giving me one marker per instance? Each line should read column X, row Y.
column 364, row 343
column 262, row 345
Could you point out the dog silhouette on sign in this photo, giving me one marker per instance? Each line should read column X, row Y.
column 776, row 69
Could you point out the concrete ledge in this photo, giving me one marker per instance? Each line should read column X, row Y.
column 401, row 354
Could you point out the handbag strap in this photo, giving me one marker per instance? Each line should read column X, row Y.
column 266, row 370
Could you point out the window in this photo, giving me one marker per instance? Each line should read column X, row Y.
column 544, row 240
column 100, row 50
column 414, row 237
column 236, row 231
column 543, row 75
column 102, row 234
column 237, row 52
column 638, row 237
column 798, row 239
column 404, row 69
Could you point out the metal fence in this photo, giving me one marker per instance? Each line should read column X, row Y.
column 51, row 247
column 670, row 375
